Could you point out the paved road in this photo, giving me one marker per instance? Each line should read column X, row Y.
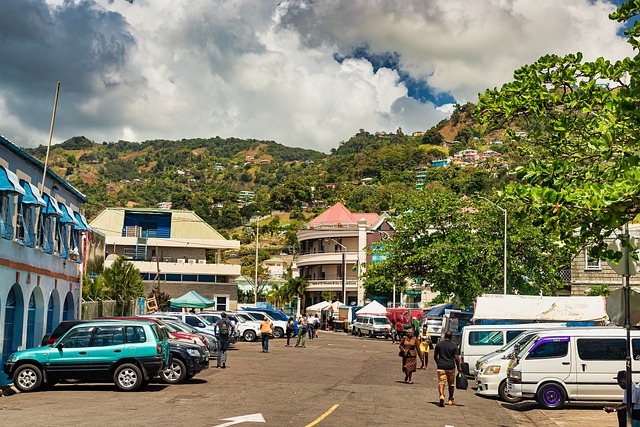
column 337, row 380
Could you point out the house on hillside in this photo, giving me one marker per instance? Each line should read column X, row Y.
column 174, row 248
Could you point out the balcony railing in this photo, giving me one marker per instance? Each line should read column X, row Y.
column 330, row 285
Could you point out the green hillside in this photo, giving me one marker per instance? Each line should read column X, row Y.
column 207, row 175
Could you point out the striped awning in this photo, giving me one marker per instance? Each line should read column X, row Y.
column 51, row 207
column 9, row 182
column 67, row 215
column 84, row 226
column 32, row 194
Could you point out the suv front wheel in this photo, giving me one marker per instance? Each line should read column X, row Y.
column 27, row 378
column 128, row 377
column 278, row 333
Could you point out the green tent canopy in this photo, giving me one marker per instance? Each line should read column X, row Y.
column 192, row 299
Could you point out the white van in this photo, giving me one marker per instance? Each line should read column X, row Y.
column 491, row 369
column 479, row 340
column 572, row 364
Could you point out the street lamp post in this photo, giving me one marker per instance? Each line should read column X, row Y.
column 255, row 283
column 504, row 290
column 344, row 269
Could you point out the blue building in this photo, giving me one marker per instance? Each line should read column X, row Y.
column 42, row 230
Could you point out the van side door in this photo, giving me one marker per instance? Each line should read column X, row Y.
column 598, row 361
column 549, row 359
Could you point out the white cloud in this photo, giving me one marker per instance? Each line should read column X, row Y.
column 265, row 69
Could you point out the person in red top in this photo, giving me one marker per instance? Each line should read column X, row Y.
column 399, row 330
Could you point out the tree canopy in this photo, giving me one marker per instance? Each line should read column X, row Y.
column 582, row 157
column 454, row 244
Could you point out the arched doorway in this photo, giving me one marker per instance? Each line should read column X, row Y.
column 68, row 310
column 31, row 321
column 13, row 319
column 53, row 311
column 35, row 318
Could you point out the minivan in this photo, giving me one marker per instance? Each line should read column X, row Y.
column 572, row 364
column 491, row 369
column 372, row 326
column 479, row 340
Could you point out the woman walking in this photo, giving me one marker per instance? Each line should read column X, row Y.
column 425, row 344
column 290, row 331
column 302, row 332
column 409, row 346
column 266, row 329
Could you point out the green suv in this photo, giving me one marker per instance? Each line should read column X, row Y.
column 129, row 353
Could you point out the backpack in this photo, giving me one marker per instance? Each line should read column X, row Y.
column 224, row 327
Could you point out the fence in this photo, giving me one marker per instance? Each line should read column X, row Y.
column 108, row 308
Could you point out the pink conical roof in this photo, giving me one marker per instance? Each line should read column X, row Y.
column 339, row 214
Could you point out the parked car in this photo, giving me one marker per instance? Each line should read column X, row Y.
column 491, row 369
column 479, row 340
column 279, row 326
column 276, row 314
column 574, row 363
column 128, row 353
column 372, row 326
column 186, row 361
column 248, row 330
column 189, row 351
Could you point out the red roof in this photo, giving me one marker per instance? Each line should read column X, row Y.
column 339, row 214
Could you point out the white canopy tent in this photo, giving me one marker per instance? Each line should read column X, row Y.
column 317, row 308
column 374, row 307
column 333, row 307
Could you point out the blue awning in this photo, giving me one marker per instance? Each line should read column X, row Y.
column 83, row 222
column 9, row 182
column 67, row 215
column 32, row 194
column 52, row 206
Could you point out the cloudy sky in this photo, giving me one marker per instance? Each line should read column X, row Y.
column 305, row 73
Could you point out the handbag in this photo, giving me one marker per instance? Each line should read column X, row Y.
column 461, row 381
column 401, row 353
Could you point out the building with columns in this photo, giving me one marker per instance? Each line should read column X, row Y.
column 335, row 250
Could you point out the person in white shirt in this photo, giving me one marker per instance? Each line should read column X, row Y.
column 621, row 410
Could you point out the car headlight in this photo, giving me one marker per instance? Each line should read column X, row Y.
column 492, row 370
column 193, row 352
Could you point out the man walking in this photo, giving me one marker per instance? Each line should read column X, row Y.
column 266, row 329
column 223, row 330
column 447, row 357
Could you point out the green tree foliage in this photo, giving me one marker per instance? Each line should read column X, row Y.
column 93, row 289
column 123, row 280
column 582, row 163
column 455, row 244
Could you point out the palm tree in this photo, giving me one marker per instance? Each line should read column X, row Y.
column 123, row 281
column 296, row 286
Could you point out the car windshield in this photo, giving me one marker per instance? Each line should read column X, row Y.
column 520, row 340
column 205, row 321
column 244, row 316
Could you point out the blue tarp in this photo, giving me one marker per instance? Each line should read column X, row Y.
column 32, row 195
column 9, row 182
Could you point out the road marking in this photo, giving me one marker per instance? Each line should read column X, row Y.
column 323, row 416
column 252, row 418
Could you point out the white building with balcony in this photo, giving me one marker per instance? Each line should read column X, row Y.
column 174, row 248
column 322, row 243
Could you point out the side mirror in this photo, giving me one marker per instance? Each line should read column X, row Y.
column 59, row 345
column 201, row 325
